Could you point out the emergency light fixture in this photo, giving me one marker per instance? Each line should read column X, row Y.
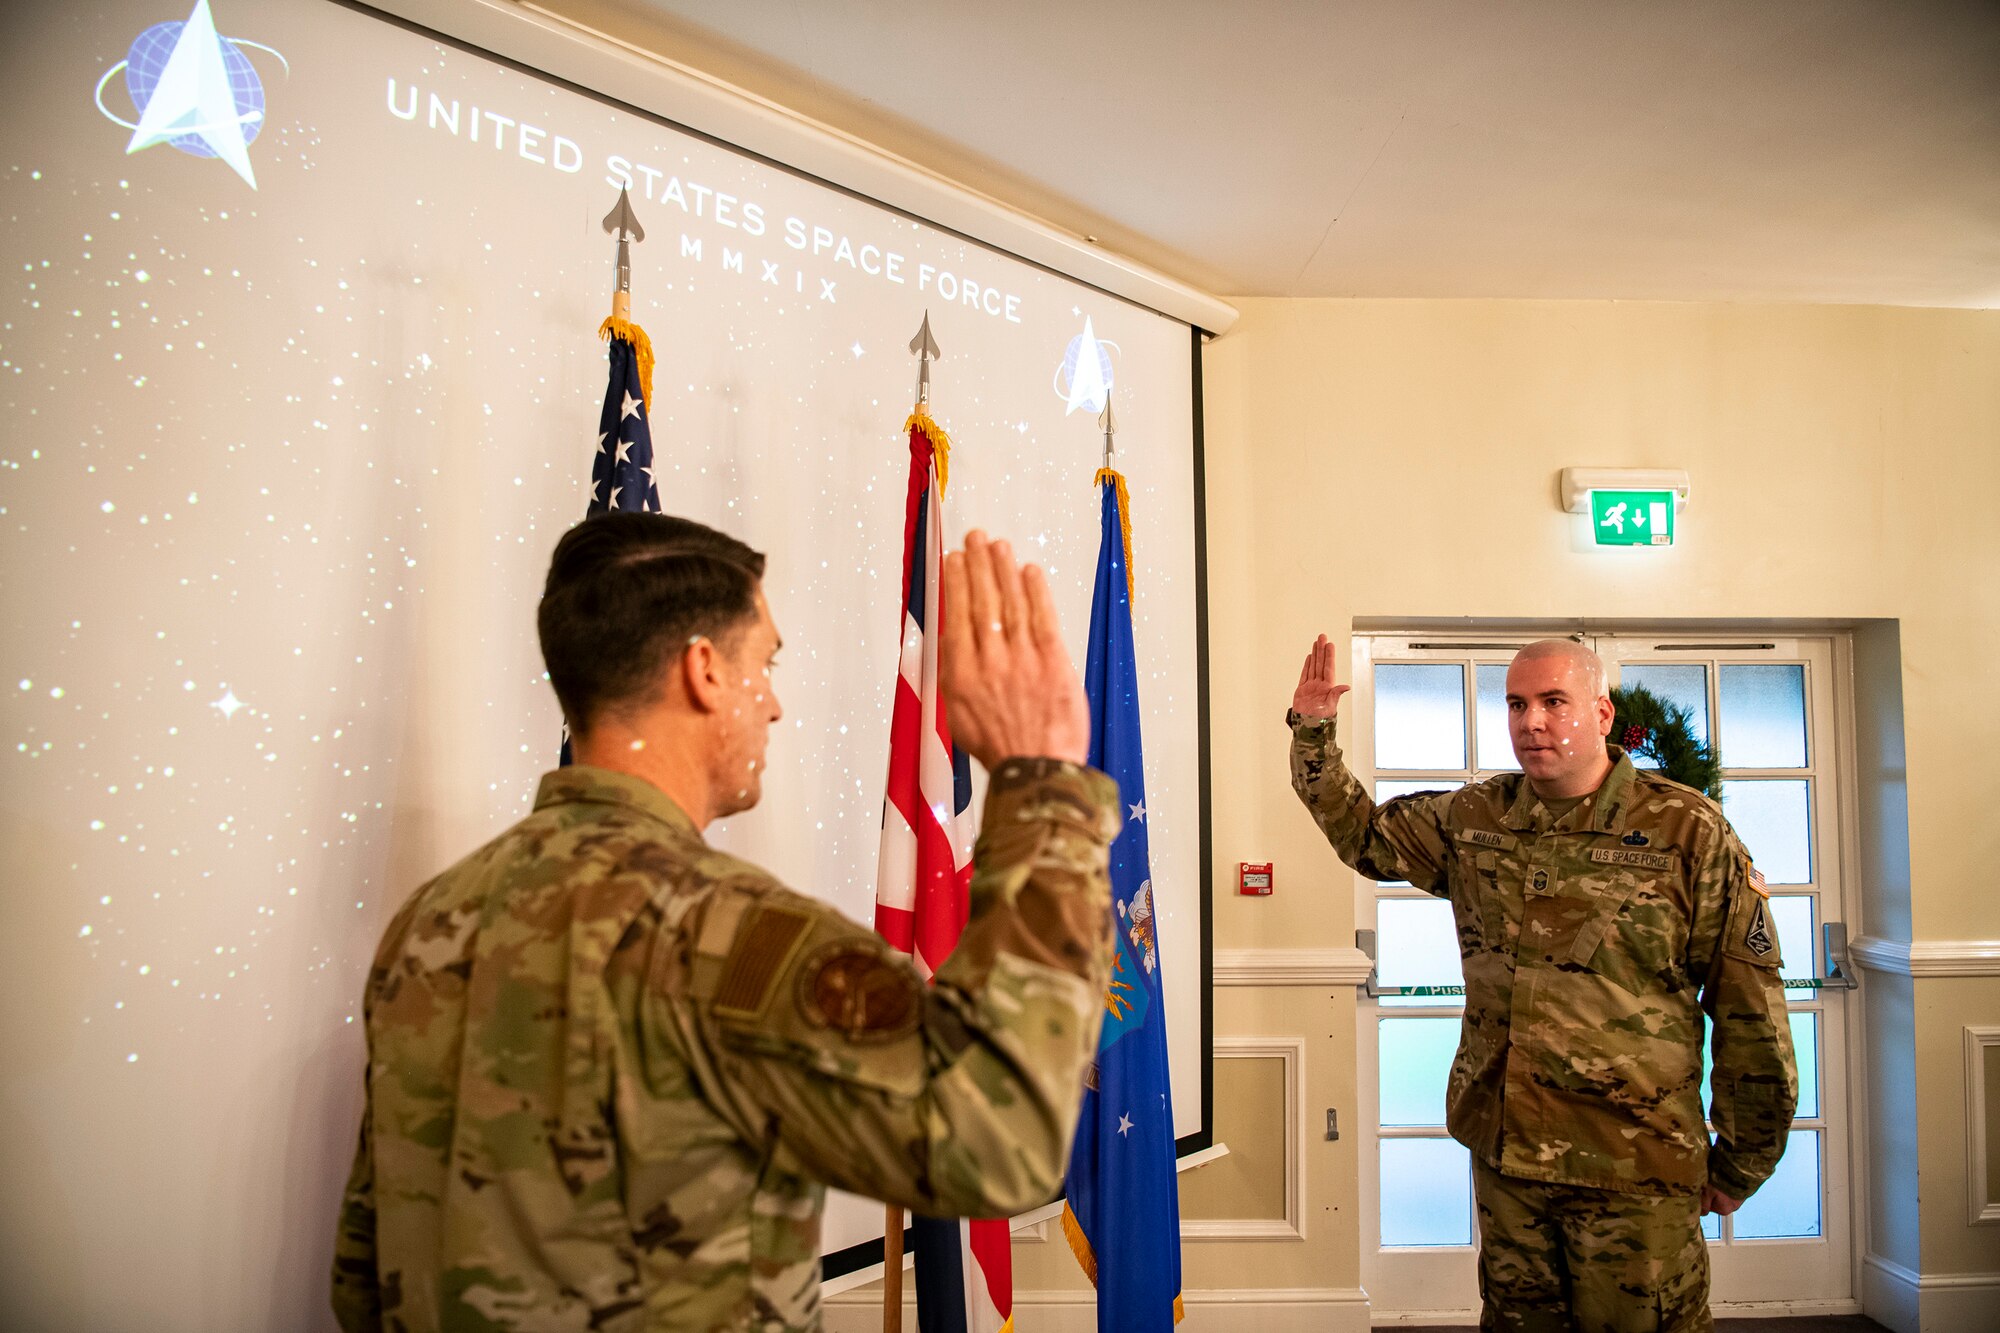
column 1627, row 506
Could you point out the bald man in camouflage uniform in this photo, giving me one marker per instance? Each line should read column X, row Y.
column 1601, row 911
column 612, row 1070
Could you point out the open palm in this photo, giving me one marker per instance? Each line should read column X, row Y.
column 1317, row 695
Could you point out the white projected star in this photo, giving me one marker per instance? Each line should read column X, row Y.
column 856, row 349
column 194, row 97
column 1087, row 388
column 630, row 408
column 228, row 704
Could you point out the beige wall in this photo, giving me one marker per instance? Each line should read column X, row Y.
column 1371, row 459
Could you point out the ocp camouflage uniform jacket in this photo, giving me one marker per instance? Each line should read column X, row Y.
column 1593, row 944
column 611, row 1070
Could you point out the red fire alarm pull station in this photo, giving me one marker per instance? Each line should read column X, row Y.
column 1253, row 879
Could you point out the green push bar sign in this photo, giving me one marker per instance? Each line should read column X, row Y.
column 1632, row 518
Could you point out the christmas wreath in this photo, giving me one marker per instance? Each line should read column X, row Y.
column 1649, row 727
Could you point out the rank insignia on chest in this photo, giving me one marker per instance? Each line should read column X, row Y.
column 1541, row 880
column 1636, row 839
column 1757, row 937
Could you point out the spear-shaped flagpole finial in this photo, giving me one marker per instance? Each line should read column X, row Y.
column 624, row 224
column 925, row 349
column 1109, row 422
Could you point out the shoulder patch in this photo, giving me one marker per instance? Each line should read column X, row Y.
column 850, row 987
column 764, row 944
column 1625, row 856
column 1485, row 838
column 1757, row 934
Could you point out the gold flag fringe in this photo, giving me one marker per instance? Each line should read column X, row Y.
column 642, row 347
column 1079, row 1245
column 940, row 443
column 1117, row 478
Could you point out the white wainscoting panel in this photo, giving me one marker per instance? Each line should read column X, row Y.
column 1291, row 1050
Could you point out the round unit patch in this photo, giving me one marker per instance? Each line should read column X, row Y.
column 853, row 989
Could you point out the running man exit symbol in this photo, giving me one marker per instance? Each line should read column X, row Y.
column 1632, row 518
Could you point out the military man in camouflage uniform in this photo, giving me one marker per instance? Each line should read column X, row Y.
column 612, row 1070
column 1601, row 911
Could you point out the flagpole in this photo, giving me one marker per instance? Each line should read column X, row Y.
column 924, row 347
column 892, row 1271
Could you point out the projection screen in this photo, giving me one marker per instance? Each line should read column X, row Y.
column 301, row 380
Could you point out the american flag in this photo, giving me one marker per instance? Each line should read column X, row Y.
column 621, row 473
column 964, row 1268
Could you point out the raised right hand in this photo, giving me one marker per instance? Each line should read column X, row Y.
column 1317, row 696
column 1009, row 687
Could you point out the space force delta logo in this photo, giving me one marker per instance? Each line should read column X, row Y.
column 194, row 90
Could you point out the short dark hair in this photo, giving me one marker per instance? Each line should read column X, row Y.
column 625, row 595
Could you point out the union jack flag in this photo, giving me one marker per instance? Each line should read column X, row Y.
column 923, row 882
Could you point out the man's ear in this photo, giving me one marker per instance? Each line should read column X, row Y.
column 1606, row 714
column 701, row 675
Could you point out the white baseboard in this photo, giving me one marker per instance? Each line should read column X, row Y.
column 1263, row 1310
column 1908, row 1302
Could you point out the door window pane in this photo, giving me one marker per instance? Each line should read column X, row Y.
column 1416, row 1064
column 1416, row 944
column 1775, row 821
column 1711, row 1226
column 1420, row 715
column 1680, row 683
column 1763, row 716
column 1426, row 1192
column 1788, row 1204
column 1805, row 1050
column 1793, row 914
column 1496, row 747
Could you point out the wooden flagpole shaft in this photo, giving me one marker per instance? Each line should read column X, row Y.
column 892, row 1271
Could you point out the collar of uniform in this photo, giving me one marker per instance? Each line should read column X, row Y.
column 1608, row 811
column 602, row 786
column 1607, row 803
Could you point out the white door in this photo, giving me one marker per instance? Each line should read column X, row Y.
column 1429, row 713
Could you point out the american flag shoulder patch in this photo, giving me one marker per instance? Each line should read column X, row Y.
column 763, row 947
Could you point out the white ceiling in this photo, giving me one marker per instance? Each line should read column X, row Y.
column 1696, row 150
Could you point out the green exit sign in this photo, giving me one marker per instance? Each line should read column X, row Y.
column 1632, row 518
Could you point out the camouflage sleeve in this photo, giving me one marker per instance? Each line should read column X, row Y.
column 959, row 1097
column 1402, row 839
column 357, row 1301
column 1734, row 944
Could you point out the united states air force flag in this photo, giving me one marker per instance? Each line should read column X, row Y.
column 1123, row 1211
